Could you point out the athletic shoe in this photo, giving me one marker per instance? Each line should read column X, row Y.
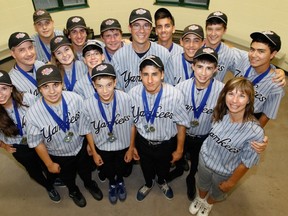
column 196, row 205
column 205, row 209
column 121, row 191
column 113, row 194
column 143, row 192
column 167, row 191
column 95, row 191
column 54, row 195
column 78, row 198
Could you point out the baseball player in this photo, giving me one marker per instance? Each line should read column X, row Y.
column 256, row 67
column 107, row 119
column 23, row 73
column 111, row 35
column 180, row 63
column 164, row 29
column 226, row 155
column 53, row 130
column 62, row 55
column 13, row 136
column 161, row 120
column 93, row 56
column 44, row 26
column 126, row 60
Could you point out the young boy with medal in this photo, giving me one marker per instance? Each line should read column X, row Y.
column 107, row 121
column 53, row 130
column 161, row 120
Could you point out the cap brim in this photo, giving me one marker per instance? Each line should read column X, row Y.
column 40, row 19
column 111, row 28
column 60, row 45
column 207, row 54
column 54, row 80
column 257, row 34
column 217, row 18
column 24, row 42
column 3, row 83
column 102, row 74
column 141, row 18
column 78, row 26
column 194, row 33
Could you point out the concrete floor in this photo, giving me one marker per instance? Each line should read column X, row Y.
column 262, row 192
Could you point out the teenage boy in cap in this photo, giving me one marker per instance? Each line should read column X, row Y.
column 23, row 73
column 107, row 121
column 191, row 40
column 126, row 60
column 93, row 56
column 53, row 130
column 111, row 35
column 44, row 26
column 216, row 26
column 161, row 120
column 164, row 29
column 260, row 72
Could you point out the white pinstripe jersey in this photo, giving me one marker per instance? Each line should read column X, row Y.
column 176, row 49
column 175, row 64
column 84, row 87
column 171, row 111
column 229, row 144
column 109, row 56
column 42, row 128
column 205, row 119
column 268, row 94
column 29, row 100
column 81, row 70
column 22, row 83
column 126, row 63
column 93, row 122
column 41, row 56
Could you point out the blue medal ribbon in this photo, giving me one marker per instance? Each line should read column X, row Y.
column 19, row 125
column 150, row 115
column 198, row 110
column 63, row 124
column 107, row 54
column 26, row 75
column 70, row 85
column 48, row 55
column 171, row 47
column 111, row 123
column 186, row 68
column 258, row 78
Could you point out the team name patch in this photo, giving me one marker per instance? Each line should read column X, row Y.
column 193, row 27
column 109, row 22
column 101, row 67
column 218, row 13
column 47, row 71
column 40, row 12
column 58, row 39
column 76, row 19
column 1, row 74
column 20, row 35
column 208, row 50
column 141, row 11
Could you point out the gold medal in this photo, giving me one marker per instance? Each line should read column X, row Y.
column 111, row 137
column 194, row 123
column 68, row 137
column 152, row 129
column 147, row 128
column 24, row 141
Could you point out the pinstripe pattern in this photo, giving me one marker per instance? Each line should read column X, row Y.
column 126, row 64
column 81, row 70
column 205, row 118
column 41, row 56
column 108, row 55
column 41, row 127
column 22, row 83
column 228, row 145
column 93, row 122
column 176, row 49
column 171, row 111
column 84, row 88
column 268, row 94
column 29, row 100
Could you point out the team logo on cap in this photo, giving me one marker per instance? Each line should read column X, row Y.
column 141, row 11
column 20, row 35
column 109, row 22
column 193, row 27
column 1, row 74
column 58, row 40
column 101, row 67
column 218, row 13
column 268, row 32
column 40, row 12
column 208, row 50
column 76, row 19
column 47, row 71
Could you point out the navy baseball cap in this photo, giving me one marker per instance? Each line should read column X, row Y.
column 5, row 78
column 271, row 36
column 103, row 69
column 109, row 24
column 193, row 29
column 206, row 51
column 17, row 38
column 75, row 22
column 140, row 14
column 58, row 41
column 154, row 59
column 41, row 14
column 219, row 15
column 91, row 45
column 47, row 74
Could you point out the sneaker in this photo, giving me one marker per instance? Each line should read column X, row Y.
column 54, row 195
column 58, row 182
column 143, row 192
column 196, row 205
column 113, row 194
column 95, row 191
column 205, row 209
column 167, row 190
column 78, row 198
column 121, row 191
column 101, row 176
column 191, row 188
